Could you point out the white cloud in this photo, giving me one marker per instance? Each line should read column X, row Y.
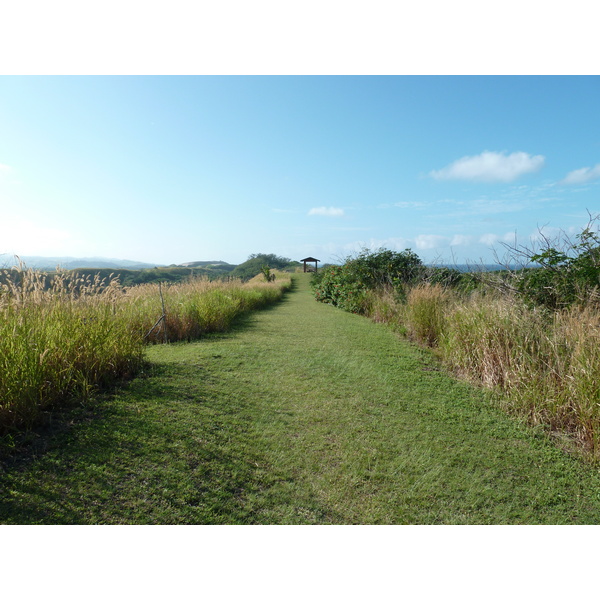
column 490, row 239
column 429, row 242
column 582, row 175
column 491, row 167
column 323, row 211
column 461, row 240
column 396, row 244
column 5, row 169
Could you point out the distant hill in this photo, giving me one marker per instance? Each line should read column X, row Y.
column 253, row 266
column 209, row 264
column 203, row 263
column 128, row 272
column 49, row 263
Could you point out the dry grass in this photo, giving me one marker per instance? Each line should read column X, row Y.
column 545, row 365
column 425, row 312
column 62, row 338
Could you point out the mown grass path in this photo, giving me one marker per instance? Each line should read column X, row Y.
column 303, row 414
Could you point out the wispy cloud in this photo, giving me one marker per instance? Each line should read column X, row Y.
column 461, row 240
column 410, row 204
column 4, row 169
column 491, row 239
column 429, row 242
column 491, row 167
column 323, row 211
column 582, row 175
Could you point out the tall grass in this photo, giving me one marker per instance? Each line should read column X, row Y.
column 425, row 312
column 64, row 337
column 545, row 364
column 197, row 307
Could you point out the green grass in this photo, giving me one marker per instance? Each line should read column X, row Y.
column 66, row 340
column 303, row 414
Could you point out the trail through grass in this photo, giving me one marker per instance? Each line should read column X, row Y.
column 303, row 414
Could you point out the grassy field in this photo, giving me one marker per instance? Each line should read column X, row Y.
column 542, row 365
column 62, row 340
column 304, row 414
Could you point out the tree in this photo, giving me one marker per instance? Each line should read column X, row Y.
column 383, row 267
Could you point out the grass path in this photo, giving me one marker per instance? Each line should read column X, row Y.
column 303, row 414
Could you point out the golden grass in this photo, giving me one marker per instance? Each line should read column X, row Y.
column 61, row 338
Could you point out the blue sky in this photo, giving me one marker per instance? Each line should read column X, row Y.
column 170, row 169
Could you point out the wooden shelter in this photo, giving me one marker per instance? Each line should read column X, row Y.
column 310, row 259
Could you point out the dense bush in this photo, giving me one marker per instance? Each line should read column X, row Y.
column 563, row 272
column 384, row 271
column 385, row 268
column 339, row 286
column 346, row 286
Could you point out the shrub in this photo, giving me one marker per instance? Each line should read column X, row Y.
column 337, row 285
column 385, row 268
column 347, row 286
column 563, row 271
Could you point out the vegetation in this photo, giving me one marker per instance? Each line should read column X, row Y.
column 350, row 285
column 129, row 278
column 62, row 337
column 567, row 270
column 255, row 263
column 126, row 277
column 530, row 334
column 304, row 415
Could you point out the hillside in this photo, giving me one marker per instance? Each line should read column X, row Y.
column 49, row 263
column 209, row 264
column 128, row 277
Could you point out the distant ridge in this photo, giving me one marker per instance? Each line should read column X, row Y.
column 205, row 263
column 49, row 263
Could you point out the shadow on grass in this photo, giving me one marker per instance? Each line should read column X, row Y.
column 158, row 452
column 166, row 447
column 17, row 446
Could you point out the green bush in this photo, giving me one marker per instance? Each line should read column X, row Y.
column 338, row 286
column 563, row 272
column 346, row 286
